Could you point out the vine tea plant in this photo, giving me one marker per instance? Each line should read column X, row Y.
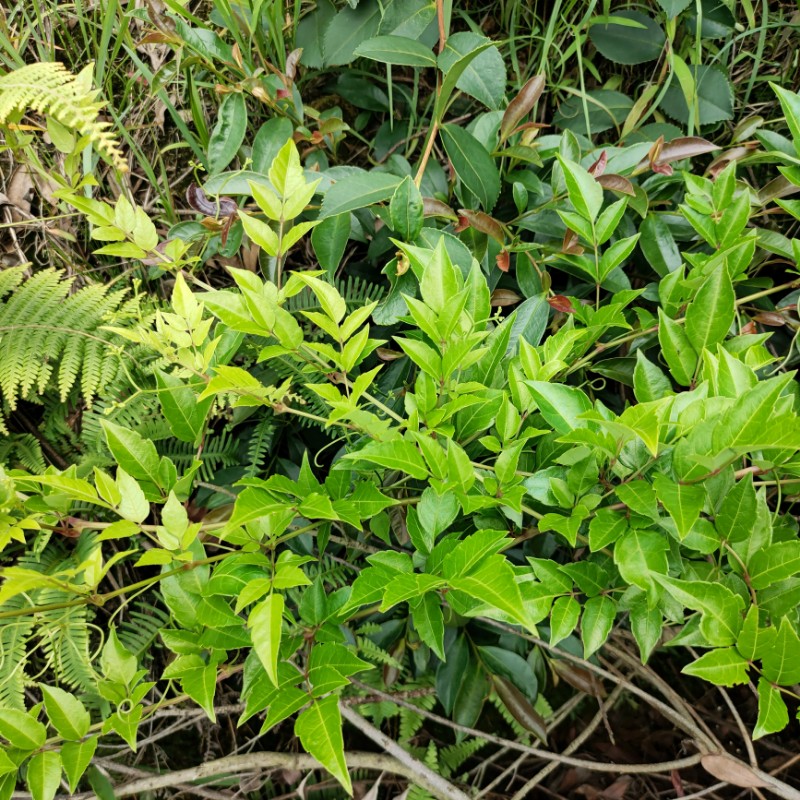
column 483, row 519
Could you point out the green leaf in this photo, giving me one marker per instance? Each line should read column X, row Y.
column 473, row 165
column 357, row 191
column 646, row 626
column 135, row 454
column 319, row 729
column 564, row 618
column 75, row 758
column 585, row 193
column 406, row 209
column 605, row 528
column 452, row 75
column 399, row 454
column 678, row 351
column 658, row 245
column 428, row 619
column 484, row 77
column 673, row 7
column 133, row 505
column 116, row 661
column 607, row 109
column 790, row 103
column 753, row 641
column 737, row 513
column 724, row 667
column 350, row 27
column 228, row 133
column 781, row 664
column 396, row 50
column 441, row 280
column 44, row 775
column 66, row 713
column 598, row 619
column 649, row 381
column 21, row 729
column 560, row 405
column 626, row 44
column 329, row 240
column 712, row 97
column 774, row 563
column 773, row 716
column 184, row 414
column 266, row 624
column 436, row 512
column 683, row 502
column 640, row 553
column 710, row 315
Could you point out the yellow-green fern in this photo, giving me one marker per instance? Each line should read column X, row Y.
column 49, row 88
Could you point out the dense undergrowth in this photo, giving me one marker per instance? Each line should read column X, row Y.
column 403, row 388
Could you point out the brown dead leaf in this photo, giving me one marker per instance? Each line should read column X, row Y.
column 728, row 769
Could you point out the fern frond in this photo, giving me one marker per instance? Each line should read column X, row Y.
column 44, row 327
column 49, row 88
column 142, row 627
column 262, row 438
column 453, row 756
column 14, row 636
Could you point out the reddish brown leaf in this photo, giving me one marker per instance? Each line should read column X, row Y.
column 599, row 166
column 431, row 207
column 483, row 223
column 521, row 105
column 728, row 769
column 385, row 354
column 283, row 94
column 748, row 329
column 200, row 201
column 771, row 318
column 570, row 244
column 462, row 224
column 503, row 260
column 616, row 183
column 561, row 303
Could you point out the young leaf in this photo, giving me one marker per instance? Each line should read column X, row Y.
column 678, row 351
column 266, row 623
column 649, row 381
column 585, row 193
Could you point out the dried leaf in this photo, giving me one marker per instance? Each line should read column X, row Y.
column 728, row 769
column 200, row 201
column 504, row 297
column 578, row 678
column 503, row 260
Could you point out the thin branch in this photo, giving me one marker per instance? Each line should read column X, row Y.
column 424, row 776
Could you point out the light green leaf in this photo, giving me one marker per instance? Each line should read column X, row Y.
column 683, row 502
column 773, row 716
column 436, row 512
column 710, row 314
column 75, row 758
column 44, row 775
column 399, row 454
column 66, row 713
column 560, row 405
column 753, row 641
column 640, row 553
column 319, row 729
column 564, row 618
column 724, row 667
column 133, row 506
column 649, row 381
column 21, row 729
column 440, row 281
column 598, row 619
column 266, row 623
column 774, row 563
column 605, row 528
column 790, row 103
column 646, row 626
column 781, row 664
column 136, row 455
column 585, row 193
column 184, row 414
